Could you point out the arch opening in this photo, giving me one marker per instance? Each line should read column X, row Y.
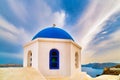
column 76, row 60
column 54, row 59
column 29, row 59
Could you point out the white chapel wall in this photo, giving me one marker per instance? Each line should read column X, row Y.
column 64, row 57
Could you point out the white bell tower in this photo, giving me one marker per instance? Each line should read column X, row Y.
column 54, row 53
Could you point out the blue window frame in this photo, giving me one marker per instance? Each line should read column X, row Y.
column 54, row 59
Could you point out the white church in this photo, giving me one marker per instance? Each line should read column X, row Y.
column 54, row 53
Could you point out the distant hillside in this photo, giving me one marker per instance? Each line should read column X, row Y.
column 11, row 65
column 100, row 65
column 115, row 70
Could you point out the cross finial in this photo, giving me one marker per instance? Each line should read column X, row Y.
column 54, row 25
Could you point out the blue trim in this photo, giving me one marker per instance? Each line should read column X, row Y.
column 54, row 59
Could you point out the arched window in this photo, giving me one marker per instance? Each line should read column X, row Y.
column 29, row 59
column 76, row 60
column 54, row 59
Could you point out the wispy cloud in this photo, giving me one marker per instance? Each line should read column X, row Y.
column 33, row 16
column 59, row 18
column 113, row 41
column 37, row 13
column 19, row 9
column 95, row 17
column 92, row 22
column 108, row 50
column 45, row 16
column 11, row 33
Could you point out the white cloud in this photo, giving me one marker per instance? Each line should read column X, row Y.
column 43, row 16
column 113, row 40
column 106, row 51
column 39, row 12
column 107, row 56
column 59, row 18
column 104, row 32
column 46, row 17
column 19, row 9
column 94, row 18
column 92, row 21
column 12, row 34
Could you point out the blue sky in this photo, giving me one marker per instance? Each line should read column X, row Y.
column 94, row 24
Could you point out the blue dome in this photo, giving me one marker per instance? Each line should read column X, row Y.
column 53, row 32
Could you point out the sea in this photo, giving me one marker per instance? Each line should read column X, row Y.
column 92, row 71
